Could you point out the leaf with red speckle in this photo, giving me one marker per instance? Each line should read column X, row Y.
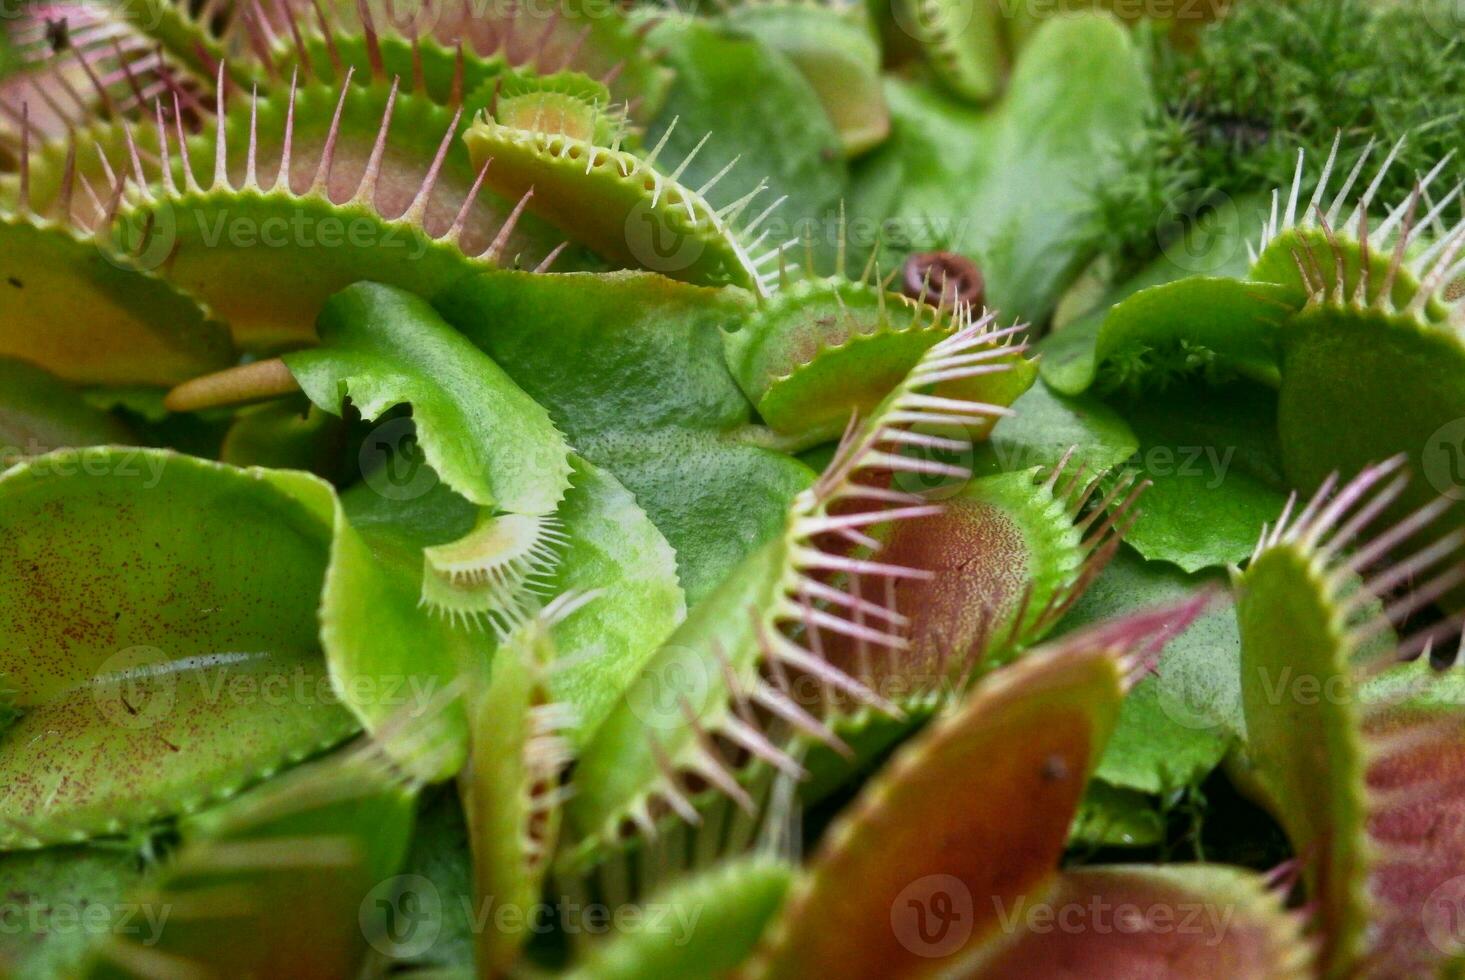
column 159, row 623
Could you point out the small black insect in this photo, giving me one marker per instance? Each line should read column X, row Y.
column 58, row 34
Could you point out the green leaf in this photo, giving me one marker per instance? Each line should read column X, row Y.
column 58, row 901
column 835, row 50
column 617, row 555
column 160, row 622
column 39, row 413
column 783, row 136
column 1110, row 817
column 440, row 857
column 291, row 879
column 1047, row 425
column 492, row 443
column 385, row 650
column 1177, row 723
column 1212, row 461
column 631, row 368
column 711, row 922
column 1009, row 185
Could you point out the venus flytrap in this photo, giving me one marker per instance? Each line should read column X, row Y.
column 449, row 50
column 87, row 672
column 275, row 882
column 1354, row 774
column 487, row 439
column 772, row 612
column 620, row 204
column 510, row 787
column 378, row 231
column 1041, row 538
column 1036, row 730
column 796, row 356
column 666, row 575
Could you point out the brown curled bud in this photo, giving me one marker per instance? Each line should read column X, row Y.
column 944, row 279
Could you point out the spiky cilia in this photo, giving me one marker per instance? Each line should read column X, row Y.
column 1357, row 777
column 768, row 620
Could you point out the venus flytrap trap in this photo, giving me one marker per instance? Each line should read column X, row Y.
column 380, row 236
column 769, row 617
column 511, row 789
column 1037, row 729
column 65, row 280
column 795, row 357
column 1355, row 793
column 452, row 49
column 633, row 586
column 90, row 671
